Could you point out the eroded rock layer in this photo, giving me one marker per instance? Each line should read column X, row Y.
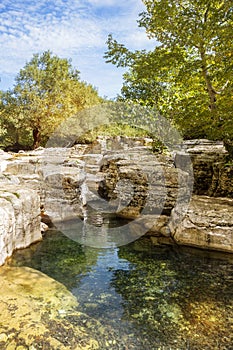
column 125, row 176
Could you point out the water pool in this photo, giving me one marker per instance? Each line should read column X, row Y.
column 142, row 297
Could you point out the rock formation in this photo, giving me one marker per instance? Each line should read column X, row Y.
column 154, row 191
column 207, row 224
column 20, row 220
column 213, row 173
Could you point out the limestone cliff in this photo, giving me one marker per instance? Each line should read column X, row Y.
column 152, row 190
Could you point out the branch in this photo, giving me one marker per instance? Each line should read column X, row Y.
column 206, row 13
column 223, row 88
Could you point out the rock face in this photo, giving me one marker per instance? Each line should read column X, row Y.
column 138, row 181
column 163, row 201
column 20, row 220
column 213, row 174
column 207, row 224
column 124, row 176
column 50, row 178
column 55, row 174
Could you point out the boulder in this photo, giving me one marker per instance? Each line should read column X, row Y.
column 208, row 224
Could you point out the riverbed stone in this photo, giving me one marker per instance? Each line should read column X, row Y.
column 30, row 303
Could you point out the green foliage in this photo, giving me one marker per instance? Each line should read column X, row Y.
column 47, row 91
column 115, row 129
column 188, row 76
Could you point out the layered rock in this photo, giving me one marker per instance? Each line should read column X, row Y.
column 20, row 219
column 207, row 224
column 213, row 174
column 55, row 174
column 162, row 201
column 52, row 179
column 138, row 181
column 126, row 179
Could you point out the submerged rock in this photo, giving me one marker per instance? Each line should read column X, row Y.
column 35, row 312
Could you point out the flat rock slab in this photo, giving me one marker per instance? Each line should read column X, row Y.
column 34, row 312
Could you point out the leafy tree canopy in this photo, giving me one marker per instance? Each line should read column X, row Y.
column 47, row 91
column 189, row 74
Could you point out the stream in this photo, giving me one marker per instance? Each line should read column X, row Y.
column 140, row 296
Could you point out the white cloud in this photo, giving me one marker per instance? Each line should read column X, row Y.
column 74, row 29
column 100, row 3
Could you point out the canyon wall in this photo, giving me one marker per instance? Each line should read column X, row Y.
column 161, row 194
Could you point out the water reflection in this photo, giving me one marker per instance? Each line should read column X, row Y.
column 143, row 297
column 95, row 293
column 58, row 257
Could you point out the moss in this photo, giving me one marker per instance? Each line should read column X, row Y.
column 17, row 195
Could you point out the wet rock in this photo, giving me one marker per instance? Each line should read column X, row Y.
column 30, row 304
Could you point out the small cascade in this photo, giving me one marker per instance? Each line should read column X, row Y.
column 83, row 199
column 98, row 218
column 94, row 217
column 83, row 193
column 93, row 232
column 3, row 165
column 89, row 186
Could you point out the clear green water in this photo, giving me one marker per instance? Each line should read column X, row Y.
column 142, row 297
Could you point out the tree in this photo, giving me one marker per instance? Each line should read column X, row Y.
column 10, row 119
column 47, row 91
column 189, row 75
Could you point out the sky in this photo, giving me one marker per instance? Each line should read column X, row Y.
column 73, row 29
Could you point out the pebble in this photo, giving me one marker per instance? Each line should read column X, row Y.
column 3, row 337
column 11, row 346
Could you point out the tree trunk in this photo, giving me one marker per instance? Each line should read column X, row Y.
column 209, row 87
column 36, row 138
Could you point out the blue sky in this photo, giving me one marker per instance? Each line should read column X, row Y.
column 75, row 29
